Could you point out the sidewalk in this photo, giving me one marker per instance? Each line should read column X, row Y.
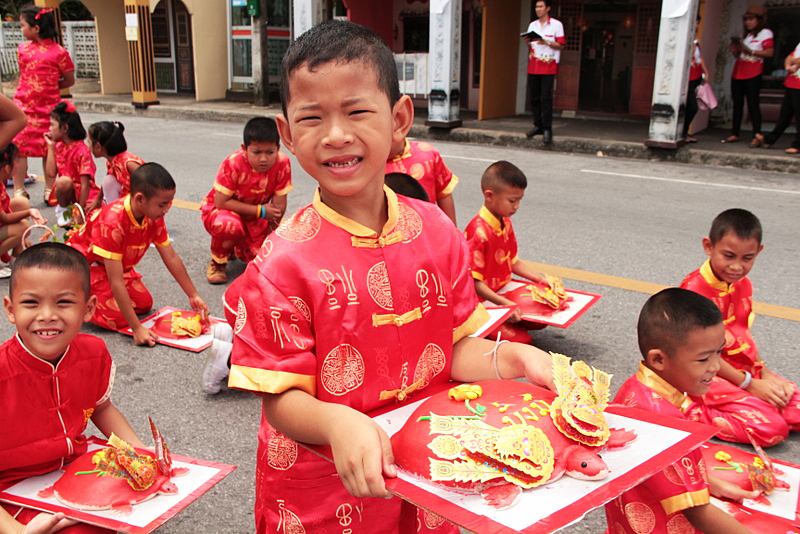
column 584, row 135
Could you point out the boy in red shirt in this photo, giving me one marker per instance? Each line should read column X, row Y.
column 749, row 395
column 680, row 337
column 248, row 198
column 493, row 245
column 53, row 379
column 116, row 238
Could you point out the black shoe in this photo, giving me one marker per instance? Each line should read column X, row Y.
column 547, row 137
column 533, row 133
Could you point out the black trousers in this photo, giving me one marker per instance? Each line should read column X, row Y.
column 790, row 108
column 691, row 105
column 541, row 88
column 749, row 89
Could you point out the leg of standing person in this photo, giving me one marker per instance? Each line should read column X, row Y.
column 752, row 93
column 784, row 119
column 737, row 95
column 535, row 88
column 547, row 107
column 691, row 108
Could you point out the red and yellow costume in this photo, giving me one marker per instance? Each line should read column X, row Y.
column 113, row 233
column 423, row 162
column 118, row 168
column 364, row 328
column 74, row 160
column 656, row 505
column 771, row 425
column 41, row 65
column 493, row 252
column 230, row 232
column 59, row 400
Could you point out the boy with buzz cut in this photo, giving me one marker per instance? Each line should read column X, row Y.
column 493, row 245
column 748, row 395
column 116, row 237
column 681, row 336
column 360, row 300
column 248, row 199
column 53, row 378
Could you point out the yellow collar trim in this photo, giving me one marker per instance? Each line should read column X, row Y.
column 711, row 279
column 490, row 219
column 649, row 378
column 351, row 226
column 406, row 152
column 129, row 211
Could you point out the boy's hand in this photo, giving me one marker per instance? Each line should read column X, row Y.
column 515, row 317
column 45, row 523
column 771, row 388
column 199, row 306
column 273, row 212
column 36, row 215
column 144, row 336
column 723, row 489
column 362, row 454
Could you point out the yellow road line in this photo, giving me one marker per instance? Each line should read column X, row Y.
column 762, row 308
column 178, row 203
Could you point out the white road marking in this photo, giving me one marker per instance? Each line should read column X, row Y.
column 468, row 158
column 692, row 182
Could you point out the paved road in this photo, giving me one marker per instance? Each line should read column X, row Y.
column 634, row 220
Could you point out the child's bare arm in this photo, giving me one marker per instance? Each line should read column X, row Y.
column 67, row 79
column 276, row 207
column 723, row 489
column 178, row 271
column 141, row 335
column 473, row 361
column 43, row 523
column 448, row 206
column 227, row 202
column 485, row 293
column 50, row 170
column 12, row 120
column 768, row 388
column 362, row 451
column 709, row 519
column 523, row 269
column 82, row 202
column 107, row 418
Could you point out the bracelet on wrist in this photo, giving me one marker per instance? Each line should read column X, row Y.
column 747, row 379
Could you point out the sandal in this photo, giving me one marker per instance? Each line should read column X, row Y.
column 762, row 140
column 793, row 150
column 690, row 139
column 47, row 192
column 731, row 139
column 755, row 143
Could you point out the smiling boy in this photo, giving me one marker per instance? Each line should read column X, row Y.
column 358, row 301
column 765, row 402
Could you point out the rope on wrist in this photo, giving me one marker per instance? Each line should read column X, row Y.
column 493, row 352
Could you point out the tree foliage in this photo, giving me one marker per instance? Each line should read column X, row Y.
column 70, row 9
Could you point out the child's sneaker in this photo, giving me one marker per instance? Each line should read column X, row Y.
column 63, row 216
column 215, row 274
column 216, row 366
column 222, row 331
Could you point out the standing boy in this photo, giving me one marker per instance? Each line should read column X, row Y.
column 543, row 61
column 493, row 245
column 358, row 301
column 680, row 337
column 423, row 162
column 116, row 238
column 248, row 198
column 751, row 395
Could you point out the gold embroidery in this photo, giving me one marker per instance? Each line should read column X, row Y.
column 342, row 370
column 379, row 287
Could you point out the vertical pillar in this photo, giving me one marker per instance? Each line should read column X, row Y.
column 678, row 19
column 260, row 57
column 307, row 14
column 444, row 64
column 139, row 34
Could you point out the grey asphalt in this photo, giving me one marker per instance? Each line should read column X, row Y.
column 637, row 219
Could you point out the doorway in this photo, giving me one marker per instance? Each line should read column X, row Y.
column 172, row 46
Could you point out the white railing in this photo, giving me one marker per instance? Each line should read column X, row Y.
column 412, row 71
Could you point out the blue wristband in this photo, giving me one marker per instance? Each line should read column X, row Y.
column 262, row 211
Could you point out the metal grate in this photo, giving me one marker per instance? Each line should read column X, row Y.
column 571, row 16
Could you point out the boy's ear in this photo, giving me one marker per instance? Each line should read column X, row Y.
column 402, row 117
column 285, row 132
column 656, row 359
column 707, row 246
column 244, row 147
column 91, row 305
column 9, row 307
column 488, row 195
column 760, row 248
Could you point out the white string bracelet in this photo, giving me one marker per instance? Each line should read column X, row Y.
column 493, row 352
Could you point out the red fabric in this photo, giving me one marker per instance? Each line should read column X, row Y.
column 75, row 160
column 45, row 408
column 792, row 80
column 107, row 314
column 493, row 249
column 314, row 316
column 230, row 232
column 41, row 64
column 424, row 163
column 118, row 168
column 747, row 67
column 641, row 509
column 543, row 59
column 696, row 69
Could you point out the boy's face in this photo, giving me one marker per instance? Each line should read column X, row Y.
column 732, row 257
column 505, row 201
column 341, row 127
column 261, row 155
column 154, row 207
column 695, row 363
column 48, row 316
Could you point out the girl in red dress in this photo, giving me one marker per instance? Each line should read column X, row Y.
column 107, row 141
column 44, row 69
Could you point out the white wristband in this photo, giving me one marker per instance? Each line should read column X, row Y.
column 747, row 379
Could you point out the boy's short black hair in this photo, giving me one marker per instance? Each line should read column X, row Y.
column 261, row 130
column 670, row 315
column 406, row 185
column 75, row 129
column 46, row 21
column 341, row 41
column 503, row 174
column 52, row 256
column 741, row 222
column 109, row 135
column 150, row 178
